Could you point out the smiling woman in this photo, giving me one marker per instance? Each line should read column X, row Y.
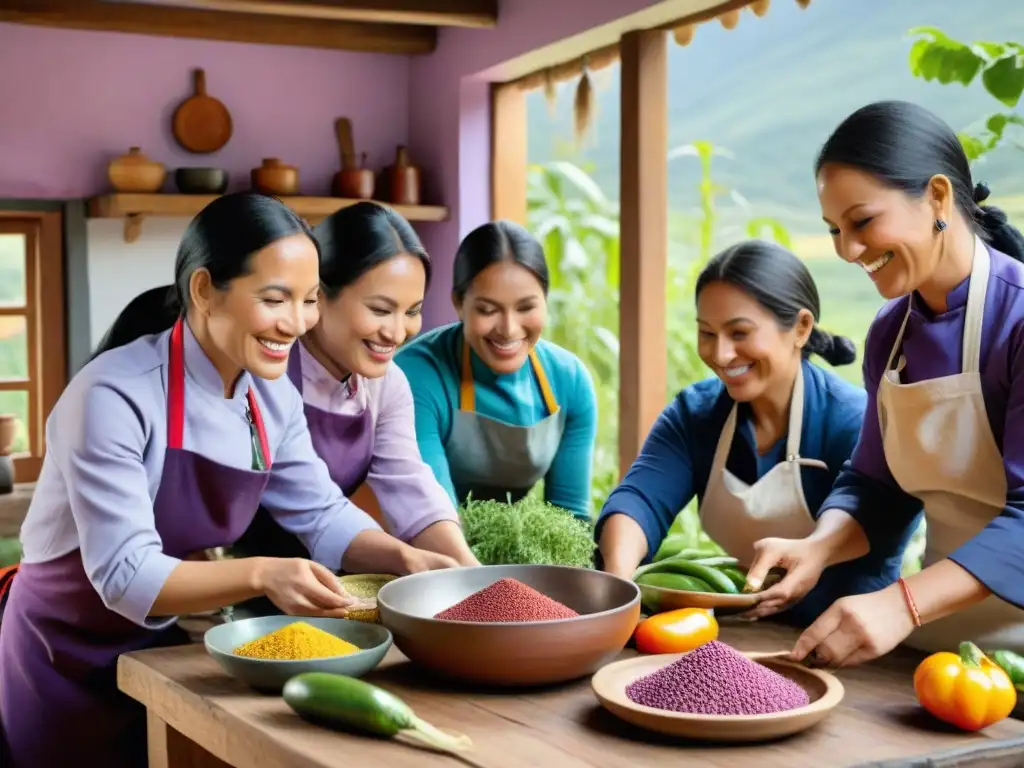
column 373, row 274
column 760, row 443
column 498, row 408
column 163, row 446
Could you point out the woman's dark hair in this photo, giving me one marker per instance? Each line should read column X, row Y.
column 781, row 283
column 904, row 145
column 358, row 238
column 493, row 242
column 221, row 238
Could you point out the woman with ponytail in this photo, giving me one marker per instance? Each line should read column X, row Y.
column 160, row 448
column 759, row 443
column 944, row 371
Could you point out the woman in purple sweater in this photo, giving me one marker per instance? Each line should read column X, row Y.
column 944, row 372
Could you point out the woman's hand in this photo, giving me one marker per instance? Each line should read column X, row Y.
column 856, row 629
column 301, row 587
column 803, row 561
column 416, row 560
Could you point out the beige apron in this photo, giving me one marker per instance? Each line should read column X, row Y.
column 736, row 514
column 494, row 460
column 939, row 447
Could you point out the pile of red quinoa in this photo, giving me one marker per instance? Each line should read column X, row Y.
column 507, row 600
column 715, row 679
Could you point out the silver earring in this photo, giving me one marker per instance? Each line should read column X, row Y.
column 940, row 225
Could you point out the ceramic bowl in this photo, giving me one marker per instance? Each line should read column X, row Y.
column 201, row 181
column 824, row 690
column 511, row 653
column 271, row 675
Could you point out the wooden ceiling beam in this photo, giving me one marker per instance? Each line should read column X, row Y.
column 165, row 21
column 441, row 13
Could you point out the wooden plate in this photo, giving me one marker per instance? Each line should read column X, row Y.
column 201, row 123
column 660, row 599
column 825, row 692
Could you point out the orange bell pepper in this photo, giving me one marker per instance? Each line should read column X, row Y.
column 676, row 631
column 968, row 690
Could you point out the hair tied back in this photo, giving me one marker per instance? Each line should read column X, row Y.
column 981, row 192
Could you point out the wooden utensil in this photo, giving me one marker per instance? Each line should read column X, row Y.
column 824, row 690
column 403, row 180
column 202, row 124
column 354, row 181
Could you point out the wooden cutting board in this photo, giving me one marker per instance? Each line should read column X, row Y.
column 201, row 123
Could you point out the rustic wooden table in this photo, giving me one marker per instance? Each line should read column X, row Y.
column 202, row 718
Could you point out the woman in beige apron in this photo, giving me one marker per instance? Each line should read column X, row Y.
column 498, row 409
column 944, row 365
column 760, row 443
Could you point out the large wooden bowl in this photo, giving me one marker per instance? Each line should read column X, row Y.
column 824, row 690
column 511, row 653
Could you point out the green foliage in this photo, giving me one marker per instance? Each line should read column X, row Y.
column 528, row 531
column 934, row 56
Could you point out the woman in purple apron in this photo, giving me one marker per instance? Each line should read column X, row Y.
column 374, row 274
column 161, row 446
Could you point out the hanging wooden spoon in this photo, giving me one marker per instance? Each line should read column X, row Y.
column 202, row 124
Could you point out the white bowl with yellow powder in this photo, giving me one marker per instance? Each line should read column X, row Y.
column 266, row 651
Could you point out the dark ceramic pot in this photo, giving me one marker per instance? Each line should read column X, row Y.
column 201, row 181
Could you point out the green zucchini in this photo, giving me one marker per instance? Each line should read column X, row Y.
column 717, row 580
column 348, row 701
column 676, row 545
column 1012, row 664
column 736, row 575
column 674, row 581
column 717, row 561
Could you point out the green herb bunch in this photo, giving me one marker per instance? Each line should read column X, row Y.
column 528, row 532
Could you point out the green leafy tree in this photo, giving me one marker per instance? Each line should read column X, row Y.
column 934, row 56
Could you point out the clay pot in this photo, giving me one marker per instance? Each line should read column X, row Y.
column 403, row 180
column 353, row 181
column 275, row 178
column 8, row 428
column 135, row 172
column 201, row 181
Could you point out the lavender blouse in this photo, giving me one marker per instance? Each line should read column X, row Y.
column 410, row 497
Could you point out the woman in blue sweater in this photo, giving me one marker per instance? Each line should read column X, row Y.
column 497, row 408
column 761, row 442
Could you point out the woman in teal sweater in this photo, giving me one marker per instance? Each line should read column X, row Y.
column 497, row 407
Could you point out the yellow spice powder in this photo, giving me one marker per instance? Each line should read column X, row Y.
column 299, row 640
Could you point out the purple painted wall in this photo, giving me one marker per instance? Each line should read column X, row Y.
column 82, row 98
column 449, row 103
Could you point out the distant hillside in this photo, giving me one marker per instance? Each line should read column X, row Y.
column 772, row 89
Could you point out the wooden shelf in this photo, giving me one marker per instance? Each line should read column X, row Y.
column 134, row 208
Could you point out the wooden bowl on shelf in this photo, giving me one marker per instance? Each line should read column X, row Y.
column 136, row 173
column 275, row 178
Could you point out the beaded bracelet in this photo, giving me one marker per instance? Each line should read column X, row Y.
column 910, row 603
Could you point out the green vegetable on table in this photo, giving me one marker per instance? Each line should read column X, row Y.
column 348, row 701
column 694, row 570
column 527, row 532
column 1012, row 664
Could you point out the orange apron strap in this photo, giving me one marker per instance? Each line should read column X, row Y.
column 467, row 398
column 542, row 380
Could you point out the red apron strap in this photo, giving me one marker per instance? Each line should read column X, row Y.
column 257, row 419
column 6, row 578
column 176, row 387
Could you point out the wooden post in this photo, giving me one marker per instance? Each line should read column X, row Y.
column 508, row 153
column 644, row 238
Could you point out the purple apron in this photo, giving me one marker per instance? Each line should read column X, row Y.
column 344, row 442
column 59, row 702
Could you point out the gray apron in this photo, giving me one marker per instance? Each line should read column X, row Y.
column 493, row 460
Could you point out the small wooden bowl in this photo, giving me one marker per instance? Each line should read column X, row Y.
column 825, row 692
column 660, row 599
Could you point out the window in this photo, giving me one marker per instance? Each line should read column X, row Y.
column 32, row 350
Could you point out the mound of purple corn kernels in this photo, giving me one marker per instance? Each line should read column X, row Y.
column 715, row 679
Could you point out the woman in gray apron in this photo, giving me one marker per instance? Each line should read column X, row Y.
column 374, row 273
column 759, row 443
column 944, row 366
column 499, row 409
column 161, row 446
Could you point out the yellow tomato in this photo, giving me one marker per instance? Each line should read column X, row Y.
column 968, row 690
column 676, row 631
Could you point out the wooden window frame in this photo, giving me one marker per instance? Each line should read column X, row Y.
column 643, row 220
column 46, row 330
